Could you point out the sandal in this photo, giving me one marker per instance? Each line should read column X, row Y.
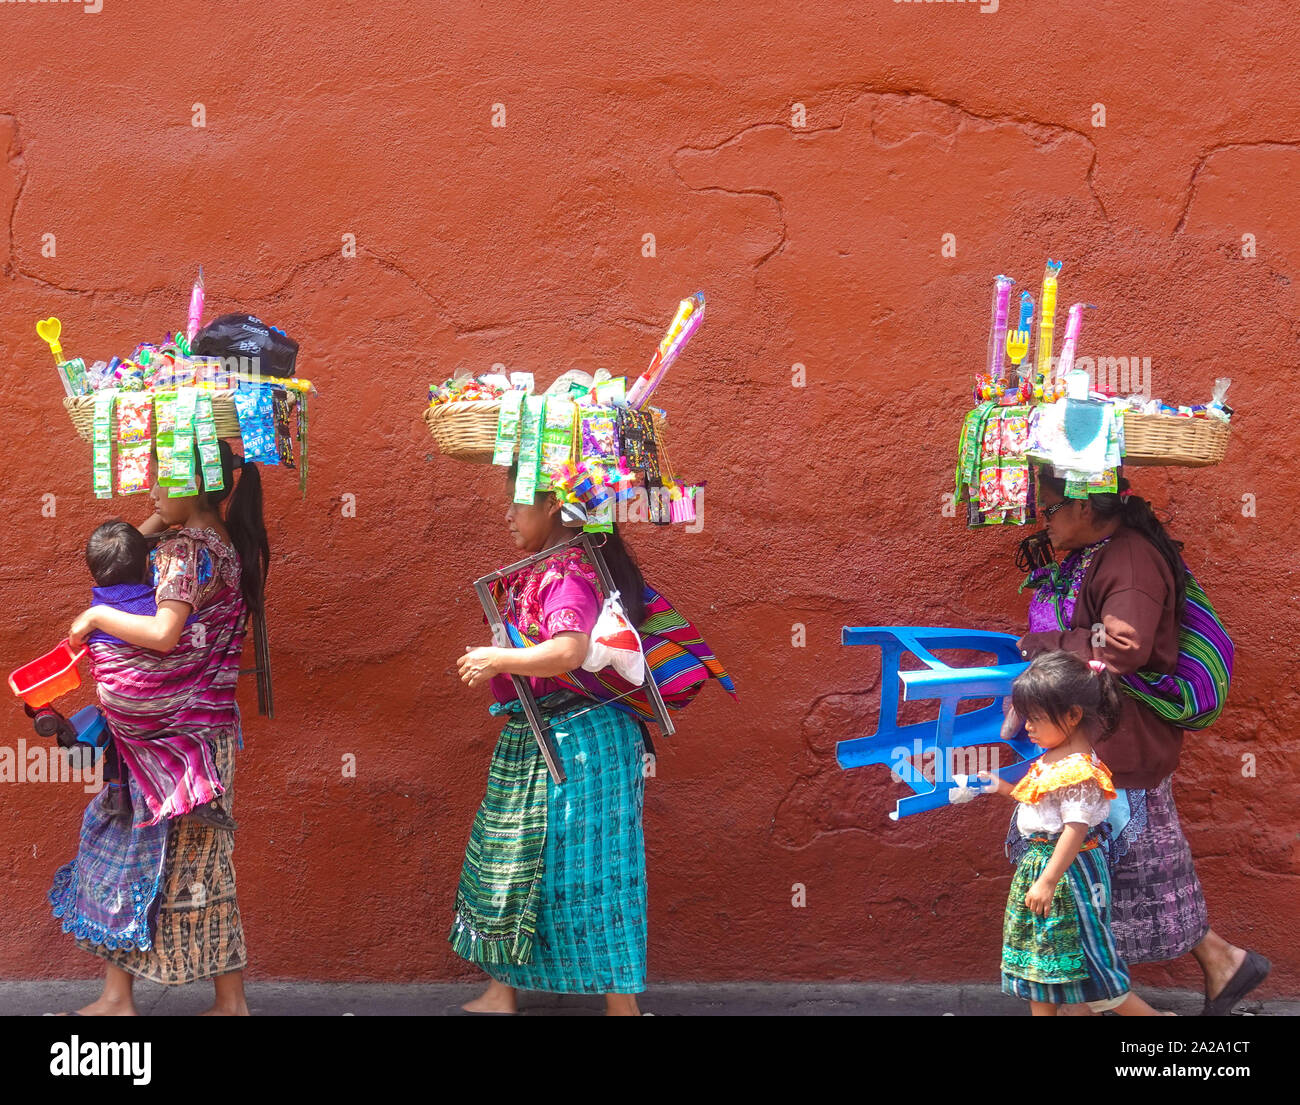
column 1253, row 970
column 210, row 813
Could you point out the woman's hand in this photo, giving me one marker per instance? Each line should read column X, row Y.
column 1039, row 898
column 83, row 625
column 478, row 665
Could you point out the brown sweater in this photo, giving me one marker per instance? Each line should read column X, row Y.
column 1129, row 589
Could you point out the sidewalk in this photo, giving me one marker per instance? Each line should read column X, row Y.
column 325, row 999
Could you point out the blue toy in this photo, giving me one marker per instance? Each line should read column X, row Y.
column 91, row 727
column 896, row 746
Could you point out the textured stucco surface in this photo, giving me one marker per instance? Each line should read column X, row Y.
column 817, row 245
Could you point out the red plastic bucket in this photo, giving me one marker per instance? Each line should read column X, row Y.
column 42, row 681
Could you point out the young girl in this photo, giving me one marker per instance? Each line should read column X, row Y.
column 1056, row 942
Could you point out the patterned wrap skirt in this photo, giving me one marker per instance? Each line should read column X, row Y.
column 1069, row 955
column 1160, row 908
column 197, row 932
column 579, row 882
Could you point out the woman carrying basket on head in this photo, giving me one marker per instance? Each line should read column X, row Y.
column 1120, row 596
column 158, row 901
column 552, row 896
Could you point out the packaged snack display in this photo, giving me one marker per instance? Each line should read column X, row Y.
column 1059, row 416
column 589, row 439
column 172, row 401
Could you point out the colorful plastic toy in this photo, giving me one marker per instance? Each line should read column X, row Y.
column 42, row 681
column 897, row 745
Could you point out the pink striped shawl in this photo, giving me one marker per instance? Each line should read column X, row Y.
column 161, row 709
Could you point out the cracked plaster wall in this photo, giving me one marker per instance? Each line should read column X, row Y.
column 817, row 245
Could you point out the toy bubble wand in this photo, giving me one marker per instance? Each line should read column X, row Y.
column 1047, row 321
column 49, row 330
column 998, row 335
column 196, row 309
column 1018, row 339
column 690, row 313
column 1066, row 363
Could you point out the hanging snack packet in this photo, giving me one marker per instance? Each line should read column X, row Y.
column 599, row 435
column 164, row 410
column 134, row 419
column 205, row 433
column 183, row 471
column 103, row 444
column 283, row 425
column 508, row 428
column 256, row 425
column 134, row 443
column 529, row 445
column 556, row 448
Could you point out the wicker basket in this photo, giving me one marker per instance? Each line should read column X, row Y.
column 467, row 430
column 1165, row 439
column 81, row 409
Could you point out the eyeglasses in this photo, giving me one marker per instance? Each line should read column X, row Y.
column 1048, row 511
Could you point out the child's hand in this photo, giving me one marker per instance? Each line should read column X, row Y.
column 82, row 627
column 478, row 665
column 1039, row 898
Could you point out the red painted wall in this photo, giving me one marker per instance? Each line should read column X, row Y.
column 817, row 245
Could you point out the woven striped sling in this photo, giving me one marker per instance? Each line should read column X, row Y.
column 1193, row 696
column 677, row 659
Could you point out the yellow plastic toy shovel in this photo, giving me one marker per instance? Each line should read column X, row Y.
column 48, row 330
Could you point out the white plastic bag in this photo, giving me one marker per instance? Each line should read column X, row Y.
column 614, row 643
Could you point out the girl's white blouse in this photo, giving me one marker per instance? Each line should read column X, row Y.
column 1054, row 810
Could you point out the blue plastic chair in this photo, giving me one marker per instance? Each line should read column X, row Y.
column 894, row 744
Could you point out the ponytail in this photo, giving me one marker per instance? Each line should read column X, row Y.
column 1109, row 701
column 1056, row 682
column 245, row 522
column 628, row 580
column 1136, row 513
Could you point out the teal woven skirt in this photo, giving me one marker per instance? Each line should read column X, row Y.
column 590, row 895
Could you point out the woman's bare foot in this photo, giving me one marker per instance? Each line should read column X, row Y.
column 117, row 999
column 228, row 997
column 106, row 1007
column 497, row 998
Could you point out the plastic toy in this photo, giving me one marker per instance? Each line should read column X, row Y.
column 998, row 333
column 1018, row 339
column 52, row 676
column 196, row 309
column 690, row 313
column 42, row 681
column 896, row 745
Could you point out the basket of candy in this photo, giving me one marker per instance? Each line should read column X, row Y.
column 463, row 414
column 591, row 440
column 160, row 412
column 1186, row 437
column 1050, row 411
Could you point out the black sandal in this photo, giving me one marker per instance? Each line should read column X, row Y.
column 1253, row 970
column 211, row 813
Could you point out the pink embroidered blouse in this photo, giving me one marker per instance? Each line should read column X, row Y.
column 558, row 595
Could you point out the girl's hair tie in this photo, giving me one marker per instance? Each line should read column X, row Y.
column 1126, row 493
column 1097, row 666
